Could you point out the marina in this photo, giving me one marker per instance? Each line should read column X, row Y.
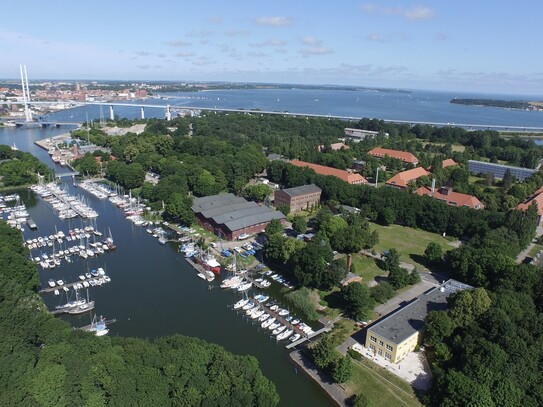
column 152, row 292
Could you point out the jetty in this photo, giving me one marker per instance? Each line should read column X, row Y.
column 209, row 276
column 97, row 279
column 90, row 327
column 302, row 339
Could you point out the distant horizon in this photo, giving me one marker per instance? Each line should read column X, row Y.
column 294, row 84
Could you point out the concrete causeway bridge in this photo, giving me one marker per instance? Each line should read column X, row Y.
column 169, row 109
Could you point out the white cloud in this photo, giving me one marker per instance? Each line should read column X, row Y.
column 184, row 54
column 396, row 36
column 203, row 61
column 199, row 34
column 315, row 51
column 416, row 13
column 216, row 19
column 256, row 54
column 274, row 21
column 237, row 33
column 270, row 42
column 310, row 40
column 177, row 43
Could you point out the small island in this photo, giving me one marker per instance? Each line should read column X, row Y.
column 506, row 104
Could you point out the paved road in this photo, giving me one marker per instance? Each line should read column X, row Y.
column 405, row 297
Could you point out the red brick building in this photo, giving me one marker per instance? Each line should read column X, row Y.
column 403, row 156
column 351, row 178
column 298, row 198
column 230, row 216
column 402, row 179
column 450, row 197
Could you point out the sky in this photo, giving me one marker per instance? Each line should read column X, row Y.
column 454, row 45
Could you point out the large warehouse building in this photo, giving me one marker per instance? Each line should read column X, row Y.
column 230, row 216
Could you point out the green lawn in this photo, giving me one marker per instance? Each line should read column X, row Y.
column 380, row 386
column 366, row 268
column 408, row 241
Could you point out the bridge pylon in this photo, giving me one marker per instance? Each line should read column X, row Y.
column 111, row 113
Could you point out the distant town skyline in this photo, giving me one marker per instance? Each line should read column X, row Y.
column 485, row 47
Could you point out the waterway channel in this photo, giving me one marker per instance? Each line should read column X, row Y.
column 153, row 291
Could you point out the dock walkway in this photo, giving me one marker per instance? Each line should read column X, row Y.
column 326, row 328
column 208, row 274
column 70, row 285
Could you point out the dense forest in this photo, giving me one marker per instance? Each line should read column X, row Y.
column 20, row 168
column 45, row 362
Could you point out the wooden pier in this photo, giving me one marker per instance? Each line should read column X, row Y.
column 91, row 326
column 326, row 328
column 207, row 273
column 70, row 285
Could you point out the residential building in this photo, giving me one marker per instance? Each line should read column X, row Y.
column 402, row 179
column 498, row 170
column 359, row 134
column 229, row 216
column 334, row 147
column 403, row 156
column 397, row 334
column 449, row 162
column 450, row 197
column 298, row 198
column 351, row 178
column 537, row 198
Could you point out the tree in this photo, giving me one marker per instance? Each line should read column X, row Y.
column 437, row 326
column 273, row 228
column 299, row 224
column 358, row 300
column 257, row 193
column 284, row 209
column 323, row 352
column 342, row 370
column 179, row 208
column 468, row 305
column 382, row 292
column 361, row 400
column 392, row 260
column 433, row 253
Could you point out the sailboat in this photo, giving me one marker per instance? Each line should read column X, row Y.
column 235, row 280
column 98, row 326
column 84, row 307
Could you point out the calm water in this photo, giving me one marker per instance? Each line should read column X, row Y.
column 421, row 106
column 154, row 291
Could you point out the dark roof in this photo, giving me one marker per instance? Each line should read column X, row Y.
column 254, row 220
column 235, row 214
column 403, row 323
column 221, row 210
column 214, row 201
column 302, row 190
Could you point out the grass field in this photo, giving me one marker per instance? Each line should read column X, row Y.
column 380, row 386
column 409, row 242
column 535, row 250
column 366, row 267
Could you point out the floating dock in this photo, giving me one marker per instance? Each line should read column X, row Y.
column 208, row 274
column 70, row 285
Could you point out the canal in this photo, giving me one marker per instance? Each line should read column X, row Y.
column 153, row 291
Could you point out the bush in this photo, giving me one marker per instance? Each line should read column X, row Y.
column 382, row 292
column 301, row 299
column 354, row 354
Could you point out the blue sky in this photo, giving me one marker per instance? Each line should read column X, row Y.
column 459, row 45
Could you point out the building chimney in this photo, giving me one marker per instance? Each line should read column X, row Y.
column 349, row 262
column 433, row 185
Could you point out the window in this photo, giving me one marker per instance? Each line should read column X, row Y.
column 373, row 339
column 389, row 348
column 372, row 347
column 387, row 356
column 381, row 343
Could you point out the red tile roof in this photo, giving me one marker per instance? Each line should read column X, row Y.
column 404, row 156
column 451, row 197
column 536, row 197
column 341, row 174
column 402, row 179
column 449, row 162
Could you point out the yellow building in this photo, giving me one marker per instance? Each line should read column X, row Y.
column 397, row 334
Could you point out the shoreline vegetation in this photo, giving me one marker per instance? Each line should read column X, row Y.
column 505, row 104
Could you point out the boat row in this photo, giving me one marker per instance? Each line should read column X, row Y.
column 96, row 189
column 66, row 205
column 256, row 310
